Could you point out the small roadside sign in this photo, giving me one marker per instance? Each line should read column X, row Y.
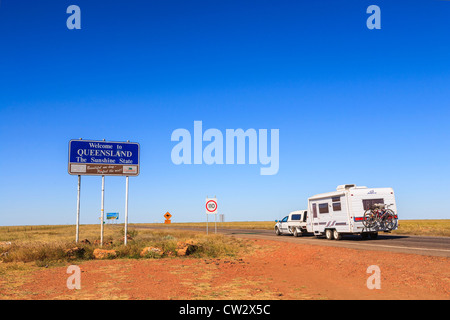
column 167, row 215
column 211, row 206
column 112, row 216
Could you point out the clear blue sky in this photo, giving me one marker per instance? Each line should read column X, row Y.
column 353, row 105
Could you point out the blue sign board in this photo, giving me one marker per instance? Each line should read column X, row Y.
column 91, row 157
column 112, row 216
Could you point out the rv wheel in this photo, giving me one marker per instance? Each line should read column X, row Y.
column 329, row 234
column 295, row 232
column 337, row 235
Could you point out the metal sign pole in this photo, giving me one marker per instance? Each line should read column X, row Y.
column 78, row 210
column 215, row 216
column 126, row 211
column 103, row 210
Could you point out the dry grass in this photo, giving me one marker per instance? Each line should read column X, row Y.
column 267, row 225
column 47, row 245
column 424, row 227
column 412, row 227
column 46, row 233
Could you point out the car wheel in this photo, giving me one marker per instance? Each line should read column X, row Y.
column 277, row 231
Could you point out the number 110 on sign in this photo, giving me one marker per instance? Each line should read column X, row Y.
column 211, row 206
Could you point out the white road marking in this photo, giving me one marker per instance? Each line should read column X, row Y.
column 343, row 243
column 399, row 247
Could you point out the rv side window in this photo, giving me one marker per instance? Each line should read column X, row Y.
column 323, row 207
column 336, row 203
column 284, row 219
column 296, row 216
column 314, row 210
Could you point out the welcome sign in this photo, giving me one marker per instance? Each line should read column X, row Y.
column 92, row 157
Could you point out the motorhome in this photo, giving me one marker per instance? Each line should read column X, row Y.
column 341, row 212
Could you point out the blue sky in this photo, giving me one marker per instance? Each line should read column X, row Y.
column 353, row 105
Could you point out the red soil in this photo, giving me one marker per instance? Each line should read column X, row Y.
column 275, row 270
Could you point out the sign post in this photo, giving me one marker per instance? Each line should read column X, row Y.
column 102, row 211
column 103, row 158
column 126, row 211
column 77, row 237
column 211, row 208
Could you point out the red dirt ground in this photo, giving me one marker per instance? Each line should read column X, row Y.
column 275, row 270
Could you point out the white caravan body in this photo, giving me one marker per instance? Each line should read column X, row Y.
column 342, row 210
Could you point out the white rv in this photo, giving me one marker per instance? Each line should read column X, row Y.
column 341, row 212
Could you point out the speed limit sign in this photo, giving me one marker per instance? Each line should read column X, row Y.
column 211, row 206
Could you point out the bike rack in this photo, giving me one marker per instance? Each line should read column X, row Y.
column 378, row 228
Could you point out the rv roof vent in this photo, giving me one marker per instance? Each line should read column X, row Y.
column 345, row 186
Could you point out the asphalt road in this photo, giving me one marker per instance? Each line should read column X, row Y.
column 423, row 245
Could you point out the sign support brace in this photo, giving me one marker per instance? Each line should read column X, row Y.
column 77, row 237
column 103, row 210
column 126, row 211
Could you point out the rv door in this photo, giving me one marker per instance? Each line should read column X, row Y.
column 315, row 218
